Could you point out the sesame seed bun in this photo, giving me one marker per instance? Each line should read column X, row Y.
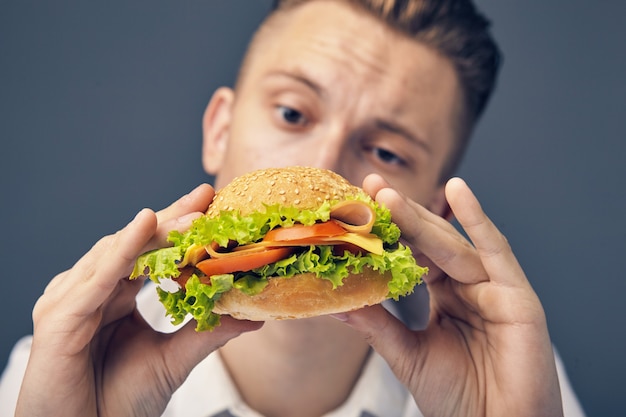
column 303, row 295
column 302, row 187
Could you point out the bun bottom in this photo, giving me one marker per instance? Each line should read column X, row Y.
column 305, row 295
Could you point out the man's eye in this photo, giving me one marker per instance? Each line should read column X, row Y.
column 291, row 116
column 387, row 156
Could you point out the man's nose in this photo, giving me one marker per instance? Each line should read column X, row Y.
column 331, row 151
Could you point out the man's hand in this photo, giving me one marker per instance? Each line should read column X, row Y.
column 486, row 350
column 92, row 353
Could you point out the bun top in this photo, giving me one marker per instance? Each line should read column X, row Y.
column 302, row 187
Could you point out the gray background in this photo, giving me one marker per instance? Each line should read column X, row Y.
column 100, row 108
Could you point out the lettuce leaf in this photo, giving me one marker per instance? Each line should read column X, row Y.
column 198, row 300
column 158, row 263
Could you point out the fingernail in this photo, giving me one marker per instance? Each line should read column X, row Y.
column 197, row 189
column 139, row 215
column 190, row 197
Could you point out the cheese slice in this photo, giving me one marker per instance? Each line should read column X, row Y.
column 194, row 254
column 369, row 242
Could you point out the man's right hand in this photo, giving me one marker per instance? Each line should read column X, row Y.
column 92, row 353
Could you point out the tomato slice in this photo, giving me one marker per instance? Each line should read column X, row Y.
column 244, row 262
column 302, row 234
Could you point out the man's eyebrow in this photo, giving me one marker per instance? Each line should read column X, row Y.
column 298, row 76
column 398, row 129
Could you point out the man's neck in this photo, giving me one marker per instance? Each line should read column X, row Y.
column 300, row 367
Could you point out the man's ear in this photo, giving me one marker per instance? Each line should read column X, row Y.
column 216, row 129
column 439, row 205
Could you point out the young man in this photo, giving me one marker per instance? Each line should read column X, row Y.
column 384, row 93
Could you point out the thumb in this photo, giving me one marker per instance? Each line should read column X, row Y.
column 186, row 347
column 388, row 336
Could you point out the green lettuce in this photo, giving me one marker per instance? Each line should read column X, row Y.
column 198, row 299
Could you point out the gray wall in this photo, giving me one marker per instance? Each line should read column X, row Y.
column 100, row 107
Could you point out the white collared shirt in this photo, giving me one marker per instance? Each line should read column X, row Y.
column 210, row 392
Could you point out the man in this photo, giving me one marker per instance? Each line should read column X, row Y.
column 328, row 84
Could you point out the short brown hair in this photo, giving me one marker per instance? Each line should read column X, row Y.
column 456, row 30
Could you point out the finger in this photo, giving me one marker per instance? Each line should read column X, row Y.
column 180, row 224
column 197, row 200
column 180, row 214
column 491, row 245
column 434, row 237
column 95, row 276
column 373, row 183
column 55, row 282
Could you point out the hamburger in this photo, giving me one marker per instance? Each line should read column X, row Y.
column 282, row 243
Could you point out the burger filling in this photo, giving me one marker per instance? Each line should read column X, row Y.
column 230, row 251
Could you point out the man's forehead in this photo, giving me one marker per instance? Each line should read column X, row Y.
column 315, row 26
column 347, row 38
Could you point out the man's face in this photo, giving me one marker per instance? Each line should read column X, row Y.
column 331, row 87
